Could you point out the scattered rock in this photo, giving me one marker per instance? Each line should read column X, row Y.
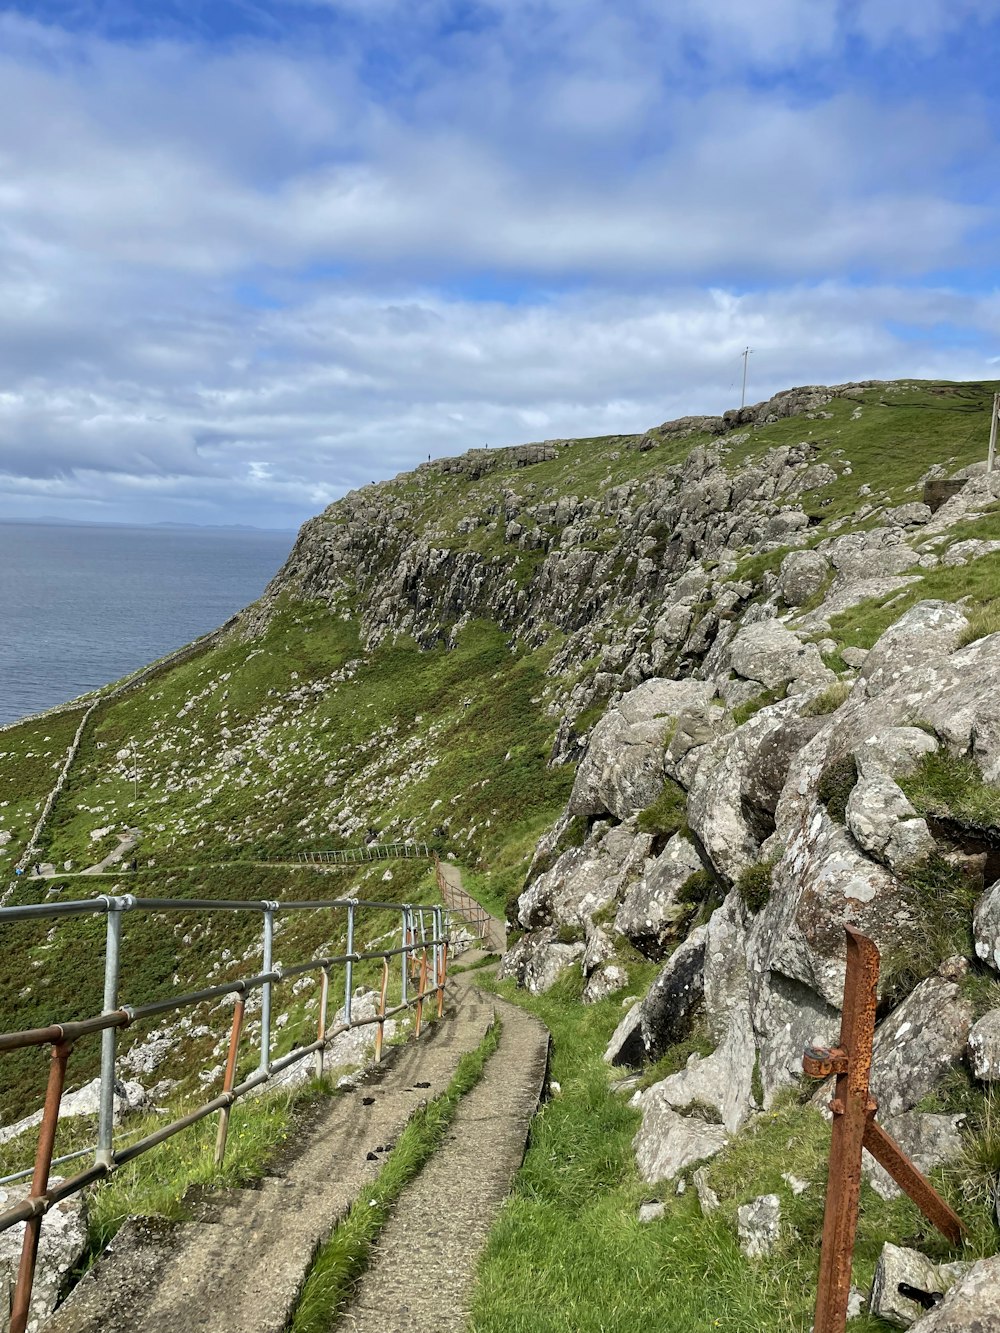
column 652, row 1212
column 759, row 1225
column 911, row 1268
column 667, row 1142
column 972, row 1305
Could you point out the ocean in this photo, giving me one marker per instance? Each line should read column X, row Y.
column 82, row 606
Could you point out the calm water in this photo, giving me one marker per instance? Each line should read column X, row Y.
column 82, row 606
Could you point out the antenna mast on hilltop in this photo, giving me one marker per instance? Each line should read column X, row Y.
column 743, row 395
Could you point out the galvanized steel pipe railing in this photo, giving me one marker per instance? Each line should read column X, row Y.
column 416, row 941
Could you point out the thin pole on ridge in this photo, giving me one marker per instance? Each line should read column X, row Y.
column 109, row 1037
column 265, row 993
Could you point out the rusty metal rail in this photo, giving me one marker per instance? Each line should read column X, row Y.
column 473, row 913
column 854, row 1128
column 424, row 935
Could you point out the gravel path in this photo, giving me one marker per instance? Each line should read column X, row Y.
column 423, row 1271
column 240, row 1266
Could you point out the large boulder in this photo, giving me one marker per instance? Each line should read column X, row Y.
column 984, row 1047
column 801, row 576
column 770, row 654
column 651, row 911
column 622, row 771
column 885, row 824
column 585, row 879
column 671, row 1002
column 667, row 1142
column 986, row 926
column 538, row 960
column 925, row 632
column 918, row 1043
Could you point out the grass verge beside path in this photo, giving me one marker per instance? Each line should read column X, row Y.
column 568, row 1254
column 345, row 1256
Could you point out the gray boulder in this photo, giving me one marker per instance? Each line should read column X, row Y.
column 918, row 1043
column 585, row 879
column 666, row 1142
column 673, row 998
column 972, row 1305
column 626, row 1045
column 538, row 959
column 926, row 631
column 650, row 912
column 725, row 980
column 801, row 576
column 897, row 1265
column 885, row 824
column 984, row 1047
column 771, row 654
column 622, row 771
column 722, row 1081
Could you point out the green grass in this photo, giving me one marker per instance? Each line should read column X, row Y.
column 836, row 783
column 946, row 784
column 745, row 711
column 343, row 1258
column 754, row 885
column 942, row 897
column 827, row 702
column 667, row 814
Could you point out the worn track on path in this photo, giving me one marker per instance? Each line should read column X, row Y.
column 239, row 1266
column 423, row 1271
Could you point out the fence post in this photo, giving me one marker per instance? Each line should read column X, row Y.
column 39, row 1184
column 230, row 1078
column 442, row 958
column 422, row 983
column 349, row 969
column 109, row 1037
column 380, row 1030
column 324, row 1001
column 404, row 956
column 265, row 990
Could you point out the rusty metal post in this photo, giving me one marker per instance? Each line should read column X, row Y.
column 851, row 1063
column 854, row 1128
column 39, row 1184
column 380, row 1030
column 324, row 1005
column 422, row 983
column 230, row 1079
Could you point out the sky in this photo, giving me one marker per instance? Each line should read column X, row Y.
column 255, row 253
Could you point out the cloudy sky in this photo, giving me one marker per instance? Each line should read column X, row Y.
column 256, row 252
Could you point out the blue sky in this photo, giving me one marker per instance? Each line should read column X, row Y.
column 254, row 253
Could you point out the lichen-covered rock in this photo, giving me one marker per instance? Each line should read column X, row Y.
column 926, row 631
column 972, row 1304
column 986, row 926
column 918, row 1043
column 622, row 771
column 759, row 1225
column 725, row 980
column 984, row 1047
column 885, row 824
column 539, row 959
column 898, row 1265
column 667, row 1142
column 651, row 911
column 585, row 879
column 604, row 981
column 772, row 655
column 626, row 1046
column 62, row 1245
column 722, row 1081
column 671, row 1001
column 802, row 576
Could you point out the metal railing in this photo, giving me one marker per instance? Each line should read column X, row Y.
column 380, row 851
column 422, row 930
column 486, row 928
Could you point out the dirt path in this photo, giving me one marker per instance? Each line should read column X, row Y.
column 456, row 897
column 424, row 1268
column 241, row 1265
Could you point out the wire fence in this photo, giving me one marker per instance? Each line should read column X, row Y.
column 380, row 851
column 422, row 961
